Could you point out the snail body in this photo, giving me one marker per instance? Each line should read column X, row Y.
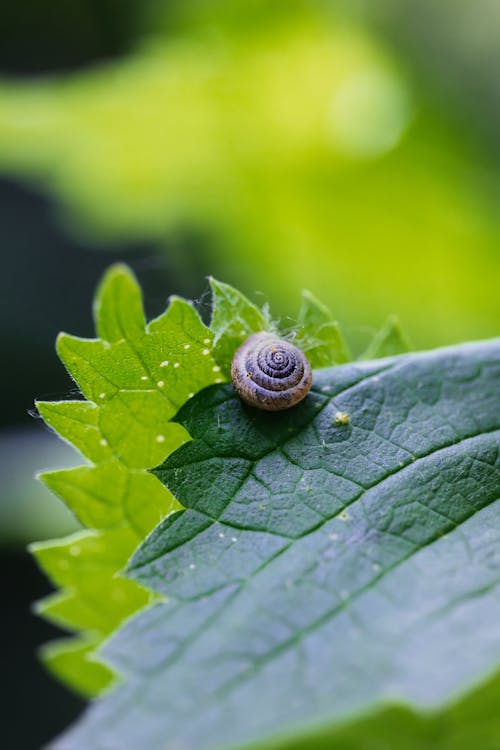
column 270, row 373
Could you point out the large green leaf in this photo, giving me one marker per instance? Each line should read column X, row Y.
column 323, row 565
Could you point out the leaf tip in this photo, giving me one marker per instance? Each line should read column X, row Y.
column 118, row 304
column 63, row 339
column 216, row 285
column 117, row 271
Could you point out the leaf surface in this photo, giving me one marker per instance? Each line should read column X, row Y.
column 234, row 318
column 322, row 566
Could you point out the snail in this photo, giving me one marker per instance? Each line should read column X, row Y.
column 270, row 373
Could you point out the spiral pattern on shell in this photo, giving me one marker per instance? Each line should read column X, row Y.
column 270, row 373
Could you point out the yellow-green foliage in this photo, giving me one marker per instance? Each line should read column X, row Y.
column 134, row 379
column 296, row 142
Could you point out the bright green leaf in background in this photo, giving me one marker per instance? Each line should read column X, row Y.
column 388, row 341
column 330, row 581
column 295, row 143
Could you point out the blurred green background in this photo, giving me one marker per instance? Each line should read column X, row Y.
column 352, row 148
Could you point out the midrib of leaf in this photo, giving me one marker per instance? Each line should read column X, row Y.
column 416, row 460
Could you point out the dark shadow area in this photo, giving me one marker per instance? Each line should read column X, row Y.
column 41, row 37
column 47, row 284
column 36, row 706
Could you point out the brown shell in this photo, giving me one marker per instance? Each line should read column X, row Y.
column 270, row 373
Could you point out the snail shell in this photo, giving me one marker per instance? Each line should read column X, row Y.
column 270, row 373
